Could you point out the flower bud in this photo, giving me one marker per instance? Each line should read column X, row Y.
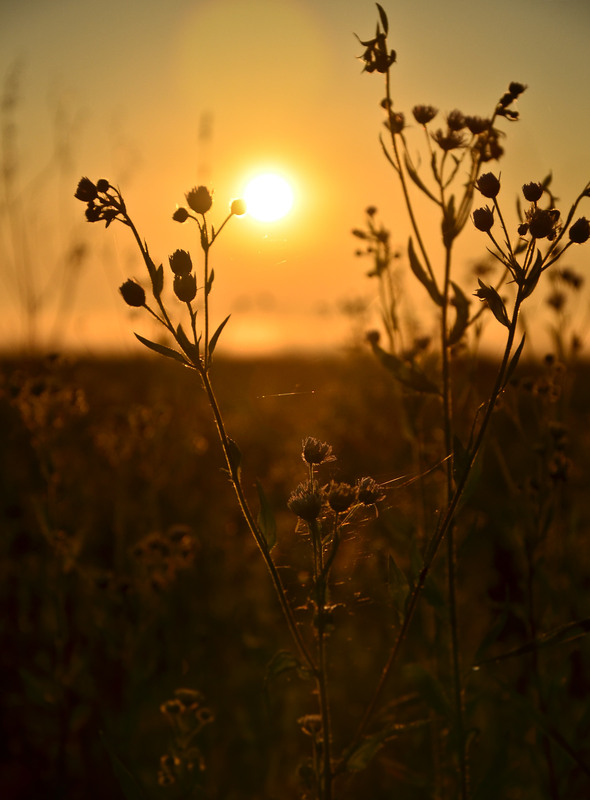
column 516, row 89
column 488, row 185
column 455, row 120
column 306, row 501
column 180, row 215
column 477, row 125
column 102, row 185
column 483, row 219
column 185, row 287
column 199, row 199
column 543, row 223
column 180, row 262
column 369, row 491
column 532, row 192
column 341, row 496
column 86, row 190
column 315, row 452
column 580, row 231
column 133, row 294
column 238, row 207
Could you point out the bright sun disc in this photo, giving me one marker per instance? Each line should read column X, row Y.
column 268, row 197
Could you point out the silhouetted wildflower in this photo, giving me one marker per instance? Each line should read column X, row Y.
column 306, row 501
column 580, row 231
column 199, row 199
column 238, row 207
column 341, row 496
column 477, row 125
column 316, row 452
column 180, row 215
column 86, row 190
column 532, row 191
column 396, row 122
column 424, row 114
column 185, row 287
column 455, row 120
column 180, row 262
column 483, row 219
column 369, row 491
column 543, row 223
column 449, row 141
column 488, row 184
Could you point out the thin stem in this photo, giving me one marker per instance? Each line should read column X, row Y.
column 252, row 525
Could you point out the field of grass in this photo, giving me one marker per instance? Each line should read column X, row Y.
column 127, row 574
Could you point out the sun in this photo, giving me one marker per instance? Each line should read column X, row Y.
column 268, row 197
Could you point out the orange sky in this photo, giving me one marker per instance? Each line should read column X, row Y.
column 128, row 88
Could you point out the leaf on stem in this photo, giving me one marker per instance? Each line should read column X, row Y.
column 413, row 173
column 215, row 337
column 162, row 350
column 494, row 301
column 383, row 18
column 266, row 520
column 532, row 279
column 406, row 374
column 514, row 361
column 209, row 284
column 189, row 347
column 562, row 635
column 422, row 276
column 234, row 457
column 461, row 304
column 158, row 281
column 449, row 223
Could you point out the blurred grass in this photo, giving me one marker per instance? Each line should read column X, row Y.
column 126, row 571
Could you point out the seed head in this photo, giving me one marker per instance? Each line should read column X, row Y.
column 580, row 231
column 199, row 199
column 180, row 262
column 488, row 184
column 483, row 219
column 543, row 223
column 477, row 125
column 516, row 89
column 455, row 120
column 396, row 122
column 185, row 287
column 532, row 192
column 133, row 294
column 449, row 141
column 316, row 452
column 102, row 185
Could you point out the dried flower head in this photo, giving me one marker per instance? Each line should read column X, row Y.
column 396, row 122
column 199, row 199
column 543, row 223
column 133, row 294
column 306, row 501
column 341, row 496
column 477, row 125
column 368, row 491
column 488, row 184
column 449, row 141
column 315, row 452
column 86, row 190
column 455, row 120
column 180, row 215
column 424, row 114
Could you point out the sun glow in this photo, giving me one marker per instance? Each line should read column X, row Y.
column 268, row 197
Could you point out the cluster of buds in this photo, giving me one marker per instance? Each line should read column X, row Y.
column 103, row 202
column 377, row 244
column 377, row 57
column 188, row 716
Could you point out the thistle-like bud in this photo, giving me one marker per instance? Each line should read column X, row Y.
column 133, row 294
column 579, row 231
column 483, row 219
column 180, row 215
column 532, row 192
column 238, row 207
column 488, row 184
column 516, row 89
column 102, row 185
column 199, row 199
column 315, row 452
column 543, row 223
column 180, row 262
column 477, row 125
column 455, row 120
column 185, row 287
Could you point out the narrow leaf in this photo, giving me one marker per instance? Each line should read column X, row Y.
column 234, row 455
column 494, row 301
column 189, row 347
column 514, row 361
column 158, row 280
column 461, row 304
column 406, row 374
column 162, row 350
column 209, row 284
column 398, row 586
column 562, row 635
column 413, row 173
column 215, row 337
column 532, row 278
column 449, row 222
column 420, row 273
column 383, row 18
column 266, row 520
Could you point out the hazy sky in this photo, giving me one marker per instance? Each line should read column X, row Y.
column 159, row 95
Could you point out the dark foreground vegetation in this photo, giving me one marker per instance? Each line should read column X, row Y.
column 143, row 646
